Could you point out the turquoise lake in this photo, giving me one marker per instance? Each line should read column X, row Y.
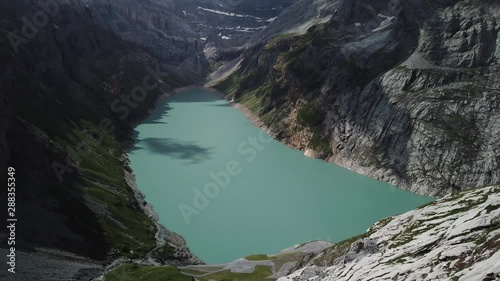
column 231, row 191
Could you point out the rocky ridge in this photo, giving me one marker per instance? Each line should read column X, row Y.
column 229, row 23
column 406, row 94
column 414, row 101
column 68, row 67
column 454, row 238
column 298, row 18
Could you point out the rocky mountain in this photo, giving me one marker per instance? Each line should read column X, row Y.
column 455, row 238
column 403, row 91
column 298, row 18
column 75, row 76
column 229, row 23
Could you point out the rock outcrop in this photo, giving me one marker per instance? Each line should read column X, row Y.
column 229, row 23
column 455, row 238
column 298, row 18
column 75, row 76
column 405, row 93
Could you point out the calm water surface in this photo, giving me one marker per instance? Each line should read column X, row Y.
column 227, row 188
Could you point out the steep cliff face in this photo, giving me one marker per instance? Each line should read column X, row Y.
column 299, row 17
column 75, row 76
column 406, row 93
column 455, row 238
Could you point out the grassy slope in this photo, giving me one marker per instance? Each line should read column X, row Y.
column 127, row 230
column 206, row 272
column 256, row 87
column 94, row 198
column 329, row 255
column 130, row 272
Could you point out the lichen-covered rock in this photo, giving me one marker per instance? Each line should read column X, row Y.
column 455, row 238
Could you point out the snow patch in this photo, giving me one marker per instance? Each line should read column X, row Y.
column 230, row 14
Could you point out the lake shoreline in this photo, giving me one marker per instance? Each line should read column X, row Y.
column 383, row 175
column 249, row 114
column 192, row 135
column 163, row 234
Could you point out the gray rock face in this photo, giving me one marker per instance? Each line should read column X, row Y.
column 408, row 94
column 154, row 26
column 299, row 17
column 428, row 127
column 455, row 238
column 229, row 23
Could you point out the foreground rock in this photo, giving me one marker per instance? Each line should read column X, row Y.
column 455, row 238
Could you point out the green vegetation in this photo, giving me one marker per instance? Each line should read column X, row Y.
column 491, row 208
column 257, row 100
column 274, row 42
column 319, row 142
column 342, row 247
column 128, row 231
column 288, row 257
column 190, row 271
column 426, row 205
column 260, row 273
column 259, row 258
column 481, row 240
column 421, row 226
column 336, row 251
column 309, row 115
column 410, row 233
column 163, row 254
column 229, row 85
column 378, row 225
column 131, row 272
column 259, row 94
column 402, row 67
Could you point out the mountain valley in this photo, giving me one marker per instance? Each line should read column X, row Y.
column 405, row 92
